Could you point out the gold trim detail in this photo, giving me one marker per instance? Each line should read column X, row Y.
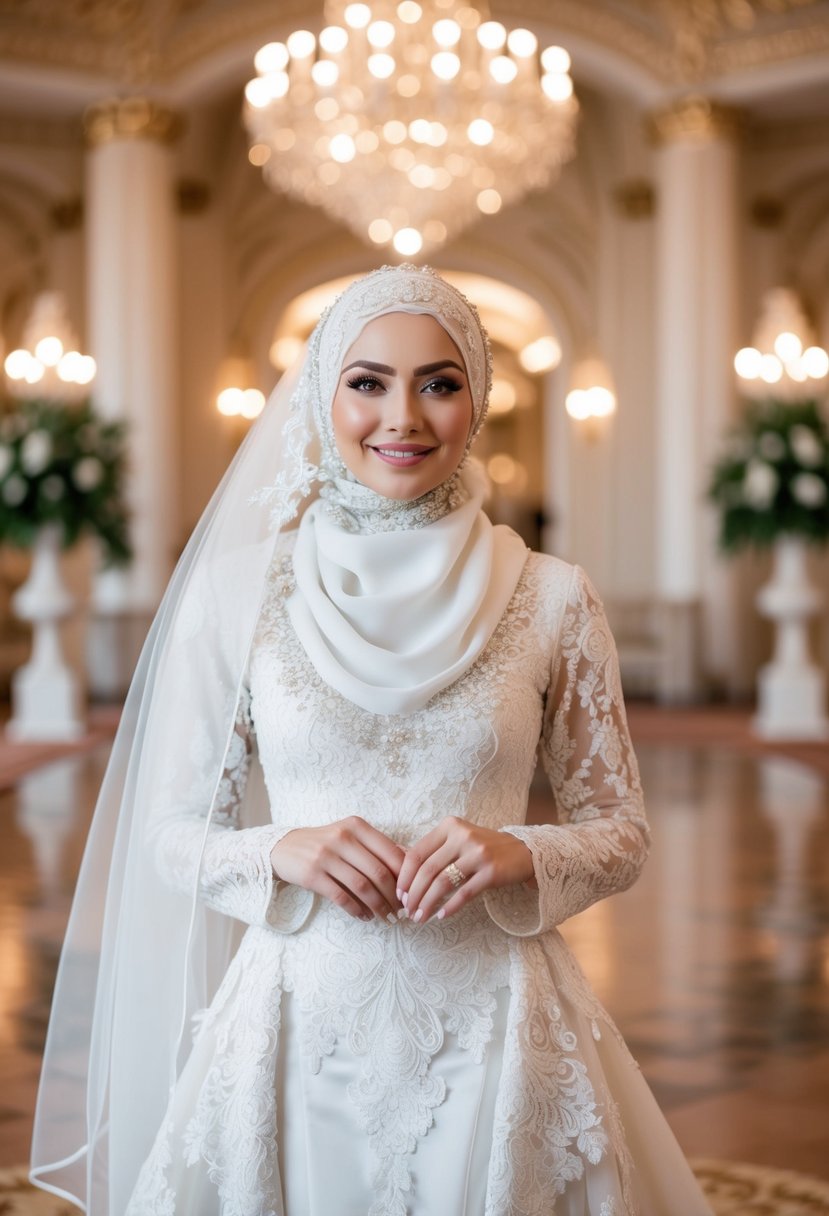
column 694, row 119
column 192, row 196
column 635, row 199
column 767, row 211
column 130, row 118
column 67, row 214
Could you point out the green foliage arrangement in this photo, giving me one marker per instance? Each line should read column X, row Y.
column 62, row 464
column 773, row 478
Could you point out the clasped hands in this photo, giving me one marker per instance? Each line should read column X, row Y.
column 367, row 874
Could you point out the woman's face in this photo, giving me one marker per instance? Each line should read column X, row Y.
column 402, row 410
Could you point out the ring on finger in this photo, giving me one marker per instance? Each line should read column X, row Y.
column 455, row 874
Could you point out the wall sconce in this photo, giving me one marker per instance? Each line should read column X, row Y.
column 781, row 362
column 541, row 355
column 48, row 363
column 237, row 396
column 592, row 395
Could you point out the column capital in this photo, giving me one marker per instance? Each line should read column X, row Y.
column 118, row 118
column 67, row 214
column 694, row 119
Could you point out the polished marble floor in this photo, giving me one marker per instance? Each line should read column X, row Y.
column 715, row 964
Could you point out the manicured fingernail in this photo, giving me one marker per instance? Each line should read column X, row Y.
column 441, row 914
column 399, row 896
column 405, row 898
column 418, row 914
column 401, row 912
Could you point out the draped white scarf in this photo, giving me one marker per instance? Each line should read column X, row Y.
column 390, row 618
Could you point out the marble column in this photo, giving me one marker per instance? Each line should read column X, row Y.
column 133, row 335
column 696, row 330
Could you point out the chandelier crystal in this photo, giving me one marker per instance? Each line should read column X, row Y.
column 409, row 120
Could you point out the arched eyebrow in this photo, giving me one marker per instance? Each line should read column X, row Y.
column 392, row 371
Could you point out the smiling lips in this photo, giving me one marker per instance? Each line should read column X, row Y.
column 402, row 455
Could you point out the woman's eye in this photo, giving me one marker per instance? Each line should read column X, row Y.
column 444, row 384
column 364, row 381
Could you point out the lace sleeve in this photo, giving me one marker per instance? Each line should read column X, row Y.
column 236, row 876
column 601, row 839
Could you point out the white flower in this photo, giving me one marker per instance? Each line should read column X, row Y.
column 14, row 490
column 759, row 484
column 53, row 487
column 5, row 460
column 806, row 446
column 809, row 489
column 87, row 473
column 770, row 445
column 36, row 452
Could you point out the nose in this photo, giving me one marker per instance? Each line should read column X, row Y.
column 403, row 413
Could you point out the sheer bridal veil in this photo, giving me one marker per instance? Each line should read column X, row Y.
column 139, row 958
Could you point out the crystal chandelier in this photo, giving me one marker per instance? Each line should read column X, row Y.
column 409, row 120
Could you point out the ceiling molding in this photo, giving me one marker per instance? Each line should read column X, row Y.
column 153, row 44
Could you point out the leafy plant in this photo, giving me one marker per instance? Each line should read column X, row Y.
column 63, row 464
column 773, row 477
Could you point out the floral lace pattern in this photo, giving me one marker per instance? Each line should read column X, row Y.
column 391, row 992
column 358, row 508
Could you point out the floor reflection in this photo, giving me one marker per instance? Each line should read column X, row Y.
column 715, row 964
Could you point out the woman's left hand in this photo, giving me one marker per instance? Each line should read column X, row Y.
column 485, row 859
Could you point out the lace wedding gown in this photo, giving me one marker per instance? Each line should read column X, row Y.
column 455, row 1068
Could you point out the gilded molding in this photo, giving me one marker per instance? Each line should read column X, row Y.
column 767, row 211
column 192, row 196
column 67, row 214
column 17, row 128
column 635, row 199
column 694, row 119
column 674, row 42
column 130, row 118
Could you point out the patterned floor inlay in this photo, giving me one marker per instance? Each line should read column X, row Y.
column 755, row 1190
column 732, row 1189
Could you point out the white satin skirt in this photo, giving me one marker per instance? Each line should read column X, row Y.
column 324, row 1163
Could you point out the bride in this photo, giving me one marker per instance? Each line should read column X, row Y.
column 313, row 966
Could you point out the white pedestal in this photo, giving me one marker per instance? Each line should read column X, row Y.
column 791, row 689
column 45, row 695
column 791, row 702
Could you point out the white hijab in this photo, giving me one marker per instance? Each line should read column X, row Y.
column 394, row 601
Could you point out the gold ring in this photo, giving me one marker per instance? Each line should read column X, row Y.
column 456, row 874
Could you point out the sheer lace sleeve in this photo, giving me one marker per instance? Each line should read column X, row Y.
column 601, row 839
column 236, row 876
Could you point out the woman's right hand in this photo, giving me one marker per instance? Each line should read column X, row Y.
column 348, row 862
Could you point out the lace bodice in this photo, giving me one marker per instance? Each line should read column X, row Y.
column 547, row 679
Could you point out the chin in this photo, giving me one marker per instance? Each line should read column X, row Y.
column 395, row 488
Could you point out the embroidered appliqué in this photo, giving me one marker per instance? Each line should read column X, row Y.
column 390, row 993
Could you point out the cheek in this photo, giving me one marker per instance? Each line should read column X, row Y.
column 352, row 418
column 456, row 423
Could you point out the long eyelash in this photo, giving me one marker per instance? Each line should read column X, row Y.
column 356, row 381
column 445, row 382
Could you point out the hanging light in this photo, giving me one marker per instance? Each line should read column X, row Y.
column 782, row 361
column 409, row 121
column 48, row 363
